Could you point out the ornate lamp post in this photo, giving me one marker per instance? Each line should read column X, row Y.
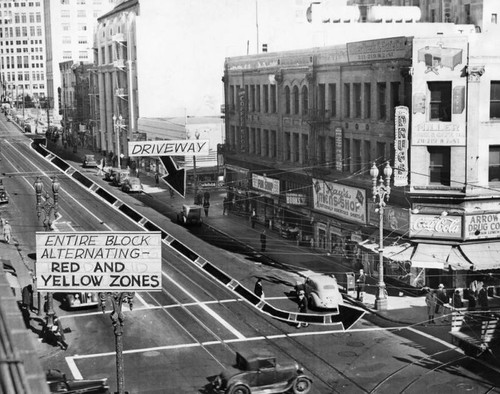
column 117, row 122
column 117, row 318
column 49, row 209
column 381, row 191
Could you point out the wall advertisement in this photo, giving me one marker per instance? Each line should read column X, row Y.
column 436, row 226
column 482, row 226
column 401, row 123
column 98, row 261
column 266, row 184
column 341, row 201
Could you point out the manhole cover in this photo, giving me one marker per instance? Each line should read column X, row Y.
column 355, row 344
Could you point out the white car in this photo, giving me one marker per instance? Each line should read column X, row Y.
column 322, row 291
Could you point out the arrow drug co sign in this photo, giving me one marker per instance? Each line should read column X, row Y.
column 98, row 261
column 169, row 148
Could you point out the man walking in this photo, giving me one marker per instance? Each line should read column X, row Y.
column 263, row 239
column 206, row 205
column 7, row 232
column 302, row 307
column 360, row 285
column 442, row 300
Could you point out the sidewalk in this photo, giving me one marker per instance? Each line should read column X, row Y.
column 286, row 254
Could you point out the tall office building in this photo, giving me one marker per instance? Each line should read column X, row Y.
column 69, row 27
column 22, row 51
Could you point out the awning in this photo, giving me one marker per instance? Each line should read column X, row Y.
column 368, row 245
column 430, row 256
column 483, row 256
column 399, row 252
column 457, row 261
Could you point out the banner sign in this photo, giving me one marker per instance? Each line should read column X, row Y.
column 169, row 148
column 401, row 146
column 296, row 199
column 482, row 226
column 98, row 261
column 338, row 149
column 341, row 201
column 266, row 184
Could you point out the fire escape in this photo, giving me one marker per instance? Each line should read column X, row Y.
column 120, row 78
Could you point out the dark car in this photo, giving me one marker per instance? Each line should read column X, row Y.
column 190, row 214
column 4, row 197
column 89, row 161
column 260, row 373
column 59, row 384
column 132, row 185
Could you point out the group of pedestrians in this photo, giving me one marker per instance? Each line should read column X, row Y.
column 437, row 302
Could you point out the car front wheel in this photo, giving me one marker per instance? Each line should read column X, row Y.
column 239, row 389
column 302, row 385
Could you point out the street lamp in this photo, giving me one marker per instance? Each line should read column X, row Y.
column 196, row 200
column 381, row 191
column 49, row 209
column 117, row 318
column 117, row 122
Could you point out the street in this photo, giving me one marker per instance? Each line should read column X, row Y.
column 176, row 340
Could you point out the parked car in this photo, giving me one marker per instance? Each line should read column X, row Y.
column 89, row 161
column 80, row 300
column 109, row 172
column 190, row 214
column 4, row 197
column 322, row 291
column 58, row 383
column 259, row 373
column 120, row 176
column 132, row 185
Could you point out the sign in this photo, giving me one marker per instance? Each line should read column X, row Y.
column 396, row 219
column 436, row 226
column 168, row 148
column 266, row 184
column 296, row 199
column 242, row 119
column 339, row 200
column 481, row 226
column 338, row 149
column 386, row 48
column 98, row 261
column 401, row 146
column 438, row 133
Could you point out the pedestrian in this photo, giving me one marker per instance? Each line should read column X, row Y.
column 302, row 307
column 258, row 289
column 224, row 205
column 457, row 299
column 26, row 304
column 206, row 205
column 482, row 297
column 157, row 178
column 311, row 242
column 58, row 331
column 360, row 285
column 431, row 302
column 263, row 239
column 7, row 232
column 473, row 295
column 442, row 300
column 253, row 217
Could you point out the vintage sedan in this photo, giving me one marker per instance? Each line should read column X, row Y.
column 259, row 372
column 322, row 291
column 58, row 383
column 89, row 161
column 132, row 185
column 190, row 214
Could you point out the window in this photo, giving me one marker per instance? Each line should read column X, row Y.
column 347, row 100
column 395, row 101
column 494, row 167
column 273, row 148
column 65, row 14
column 287, row 100
column 495, row 100
column 265, row 140
column 266, row 98
column 439, row 165
column 305, row 148
column 322, row 151
column 257, row 98
column 252, row 98
column 273, row 99
column 257, row 142
column 347, row 154
column 296, row 100
column 305, row 100
column 287, row 146
column 382, row 104
column 332, row 91
column 321, row 98
column 66, row 40
column 357, row 154
column 295, row 147
column 357, row 99
column 366, row 154
column 368, row 100
column 440, row 101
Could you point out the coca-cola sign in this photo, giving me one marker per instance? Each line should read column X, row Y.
column 436, row 226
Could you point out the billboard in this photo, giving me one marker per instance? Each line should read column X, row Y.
column 98, row 261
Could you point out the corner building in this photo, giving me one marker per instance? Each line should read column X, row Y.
column 304, row 127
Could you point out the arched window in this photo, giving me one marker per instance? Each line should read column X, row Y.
column 305, row 100
column 295, row 100
column 287, row 100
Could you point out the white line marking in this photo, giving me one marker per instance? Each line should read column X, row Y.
column 142, row 300
column 203, row 306
column 73, row 368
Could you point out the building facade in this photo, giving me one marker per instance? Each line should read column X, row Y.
column 303, row 129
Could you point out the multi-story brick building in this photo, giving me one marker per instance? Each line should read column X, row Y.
column 303, row 129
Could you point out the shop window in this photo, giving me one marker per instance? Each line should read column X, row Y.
column 440, row 101
column 287, row 100
column 495, row 100
column 439, row 165
column 494, row 164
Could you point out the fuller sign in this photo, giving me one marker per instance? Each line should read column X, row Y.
column 98, row 261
